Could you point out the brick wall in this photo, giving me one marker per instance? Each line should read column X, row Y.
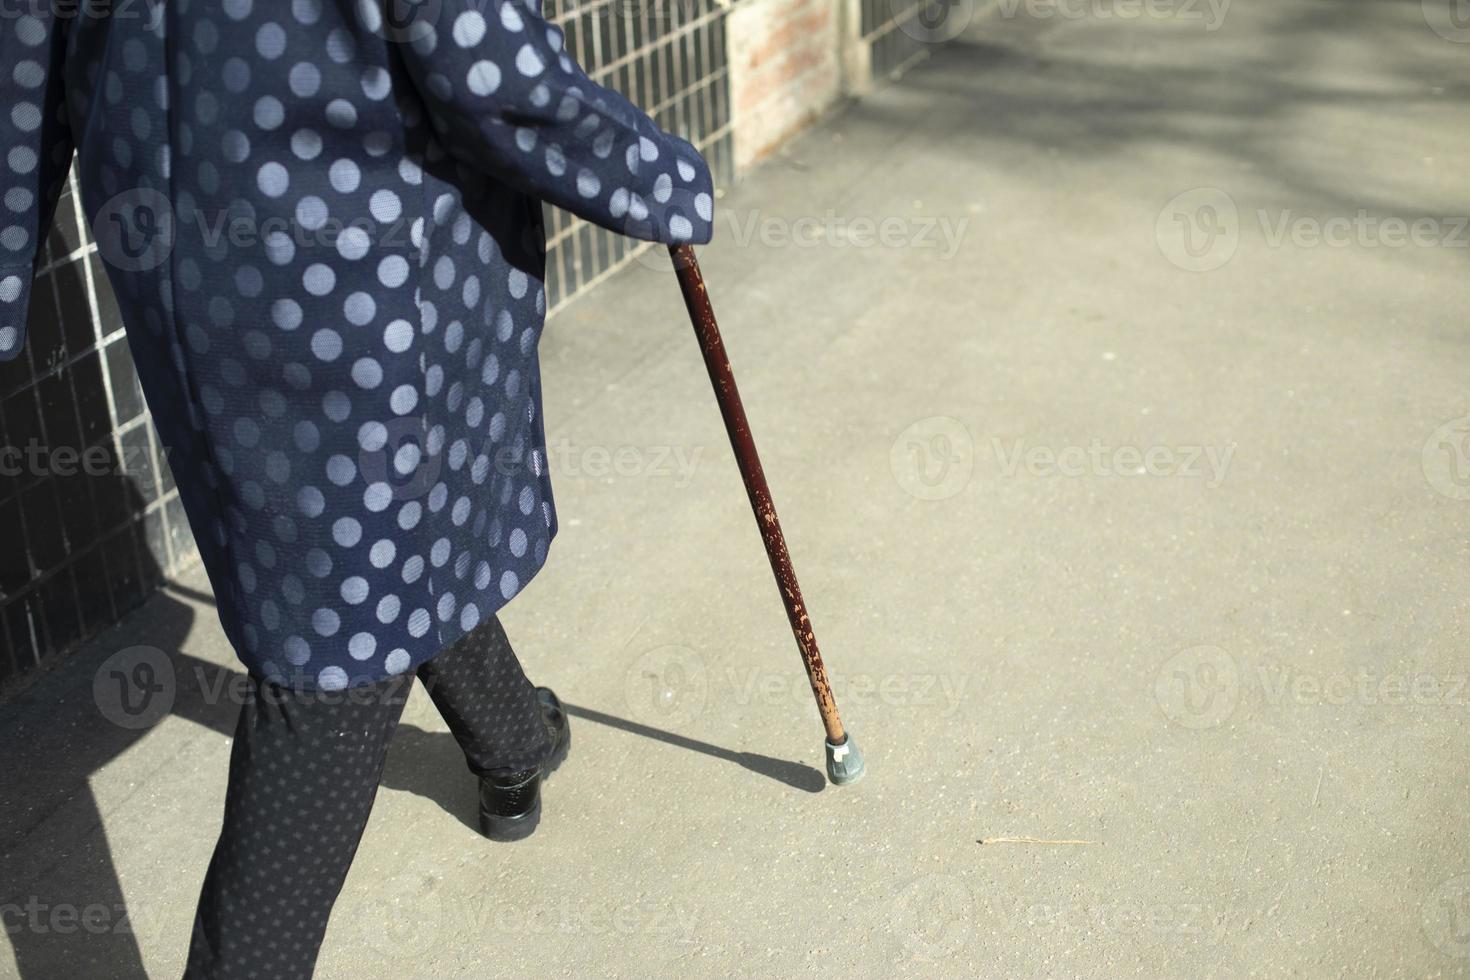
column 785, row 69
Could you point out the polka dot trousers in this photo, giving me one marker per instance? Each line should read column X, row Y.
column 304, row 771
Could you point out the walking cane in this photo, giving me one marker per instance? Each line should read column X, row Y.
column 844, row 761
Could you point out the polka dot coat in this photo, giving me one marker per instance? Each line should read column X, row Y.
column 322, row 221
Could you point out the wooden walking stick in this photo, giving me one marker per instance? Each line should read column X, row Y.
column 844, row 761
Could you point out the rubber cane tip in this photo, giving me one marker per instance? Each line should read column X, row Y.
column 844, row 762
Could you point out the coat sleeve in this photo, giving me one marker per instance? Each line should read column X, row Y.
column 36, row 141
column 509, row 101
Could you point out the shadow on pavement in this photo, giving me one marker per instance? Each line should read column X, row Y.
column 62, row 903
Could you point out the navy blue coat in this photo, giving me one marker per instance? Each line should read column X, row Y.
column 324, row 231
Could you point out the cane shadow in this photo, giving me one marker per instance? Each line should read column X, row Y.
column 792, row 774
column 430, row 764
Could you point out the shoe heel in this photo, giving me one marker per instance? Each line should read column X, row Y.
column 507, row 829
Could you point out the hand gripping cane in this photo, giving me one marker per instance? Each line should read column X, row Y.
column 844, row 761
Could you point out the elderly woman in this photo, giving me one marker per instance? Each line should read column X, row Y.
column 323, row 226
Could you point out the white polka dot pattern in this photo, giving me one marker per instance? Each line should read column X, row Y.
column 322, row 231
column 506, row 98
column 35, row 138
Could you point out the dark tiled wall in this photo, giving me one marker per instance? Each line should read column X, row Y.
column 895, row 31
column 90, row 515
column 92, row 520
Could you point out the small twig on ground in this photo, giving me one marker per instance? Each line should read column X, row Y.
column 1031, row 840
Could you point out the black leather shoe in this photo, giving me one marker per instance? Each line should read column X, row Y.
column 510, row 806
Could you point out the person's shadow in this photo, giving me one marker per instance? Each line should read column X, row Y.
column 61, row 900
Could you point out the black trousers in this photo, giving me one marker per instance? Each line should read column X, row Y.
column 304, row 771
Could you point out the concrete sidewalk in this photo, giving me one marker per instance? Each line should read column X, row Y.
column 1110, row 376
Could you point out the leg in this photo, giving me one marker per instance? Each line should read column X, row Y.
column 478, row 686
column 304, row 772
